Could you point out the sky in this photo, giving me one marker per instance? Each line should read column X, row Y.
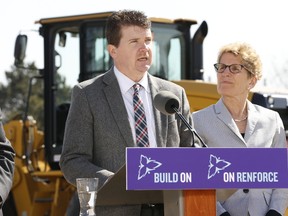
column 263, row 24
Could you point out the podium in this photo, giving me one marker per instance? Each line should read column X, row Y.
column 185, row 179
column 114, row 192
column 176, row 202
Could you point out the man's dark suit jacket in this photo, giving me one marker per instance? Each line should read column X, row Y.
column 98, row 131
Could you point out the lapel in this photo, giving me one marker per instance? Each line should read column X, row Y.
column 253, row 118
column 224, row 115
column 161, row 120
column 117, row 106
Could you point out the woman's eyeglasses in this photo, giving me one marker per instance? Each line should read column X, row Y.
column 233, row 68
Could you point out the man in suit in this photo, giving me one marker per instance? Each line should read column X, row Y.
column 100, row 124
column 235, row 122
column 6, row 166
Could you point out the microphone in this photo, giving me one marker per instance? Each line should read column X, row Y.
column 168, row 103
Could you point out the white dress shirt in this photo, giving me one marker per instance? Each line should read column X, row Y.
column 126, row 87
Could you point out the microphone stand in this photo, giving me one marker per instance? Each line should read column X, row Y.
column 192, row 130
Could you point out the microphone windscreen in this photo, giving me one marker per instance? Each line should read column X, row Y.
column 165, row 101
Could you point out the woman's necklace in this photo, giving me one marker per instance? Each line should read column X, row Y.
column 240, row 120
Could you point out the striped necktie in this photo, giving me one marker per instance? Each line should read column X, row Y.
column 140, row 119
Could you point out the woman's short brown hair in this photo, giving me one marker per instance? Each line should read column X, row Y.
column 250, row 58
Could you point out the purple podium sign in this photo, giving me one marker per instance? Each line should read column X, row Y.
column 205, row 168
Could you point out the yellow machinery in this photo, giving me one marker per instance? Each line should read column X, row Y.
column 37, row 190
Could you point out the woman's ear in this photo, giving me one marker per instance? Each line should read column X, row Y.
column 252, row 83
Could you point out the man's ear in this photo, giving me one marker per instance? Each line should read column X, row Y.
column 112, row 50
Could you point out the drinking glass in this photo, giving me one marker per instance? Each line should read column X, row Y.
column 87, row 193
